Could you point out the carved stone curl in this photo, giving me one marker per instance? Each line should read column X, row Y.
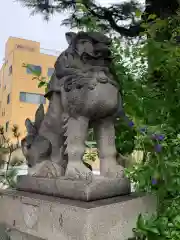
column 82, row 92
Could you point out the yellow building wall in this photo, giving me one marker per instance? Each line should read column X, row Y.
column 1, row 90
column 6, row 80
column 21, row 44
column 20, row 81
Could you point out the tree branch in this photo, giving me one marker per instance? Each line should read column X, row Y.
column 110, row 15
column 107, row 15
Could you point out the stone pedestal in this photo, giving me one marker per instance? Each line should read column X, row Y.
column 31, row 216
column 99, row 188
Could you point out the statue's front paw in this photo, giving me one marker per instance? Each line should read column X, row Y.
column 46, row 169
column 78, row 171
column 115, row 172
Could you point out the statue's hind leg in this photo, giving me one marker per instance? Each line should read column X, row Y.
column 77, row 130
column 105, row 136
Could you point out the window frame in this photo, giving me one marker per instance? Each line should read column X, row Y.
column 32, row 66
column 10, row 71
column 7, row 126
column 42, row 99
column 48, row 71
column 8, row 98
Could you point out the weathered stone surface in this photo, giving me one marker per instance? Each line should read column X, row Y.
column 17, row 235
column 64, row 219
column 99, row 188
column 3, row 231
column 82, row 92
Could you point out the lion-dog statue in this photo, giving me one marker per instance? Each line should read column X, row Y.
column 82, row 93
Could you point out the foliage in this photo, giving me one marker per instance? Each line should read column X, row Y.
column 158, row 111
column 42, row 81
column 125, row 136
column 120, row 18
column 88, row 12
column 90, row 155
column 8, row 177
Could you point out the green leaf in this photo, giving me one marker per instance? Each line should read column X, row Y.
column 46, row 89
column 140, row 222
column 144, row 25
column 37, row 73
column 152, row 16
column 152, row 230
column 138, row 13
column 41, row 84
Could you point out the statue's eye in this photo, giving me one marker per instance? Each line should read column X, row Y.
column 85, row 41
column 28, row 146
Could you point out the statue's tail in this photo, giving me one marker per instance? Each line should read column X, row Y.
column 64, row 151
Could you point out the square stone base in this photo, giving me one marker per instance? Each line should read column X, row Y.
column 99, row 188
column 49, row 218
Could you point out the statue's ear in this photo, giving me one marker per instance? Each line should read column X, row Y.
column 30, row 127
column 70, row 36
column 39, row 116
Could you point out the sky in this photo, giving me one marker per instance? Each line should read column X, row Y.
column 15, row 21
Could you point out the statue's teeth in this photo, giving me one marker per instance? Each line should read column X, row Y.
column 65, row 151
column 65, row 134
column 65, row 126
column 66, row 142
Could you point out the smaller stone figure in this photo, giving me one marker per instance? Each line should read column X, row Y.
column 38, row 149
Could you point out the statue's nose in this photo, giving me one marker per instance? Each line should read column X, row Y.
column 29, row 165
column 103, row 51
column 108, row 53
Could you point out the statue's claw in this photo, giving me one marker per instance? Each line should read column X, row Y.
column 78, row 171
column 116, row 171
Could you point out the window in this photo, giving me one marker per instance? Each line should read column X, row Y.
column 3, row 112
column 10, row 70
column 33, row 69
column 50, row 72
column 7, row 126
column 8, row 98
column 32, row 98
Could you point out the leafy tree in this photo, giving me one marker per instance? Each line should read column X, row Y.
column 111, row 18
column 8, row 177
column 154, row 102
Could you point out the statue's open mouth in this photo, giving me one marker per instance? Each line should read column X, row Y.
column 104, row 53
column 96, row 56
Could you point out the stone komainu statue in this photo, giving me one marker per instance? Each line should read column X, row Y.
column 82, row 92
